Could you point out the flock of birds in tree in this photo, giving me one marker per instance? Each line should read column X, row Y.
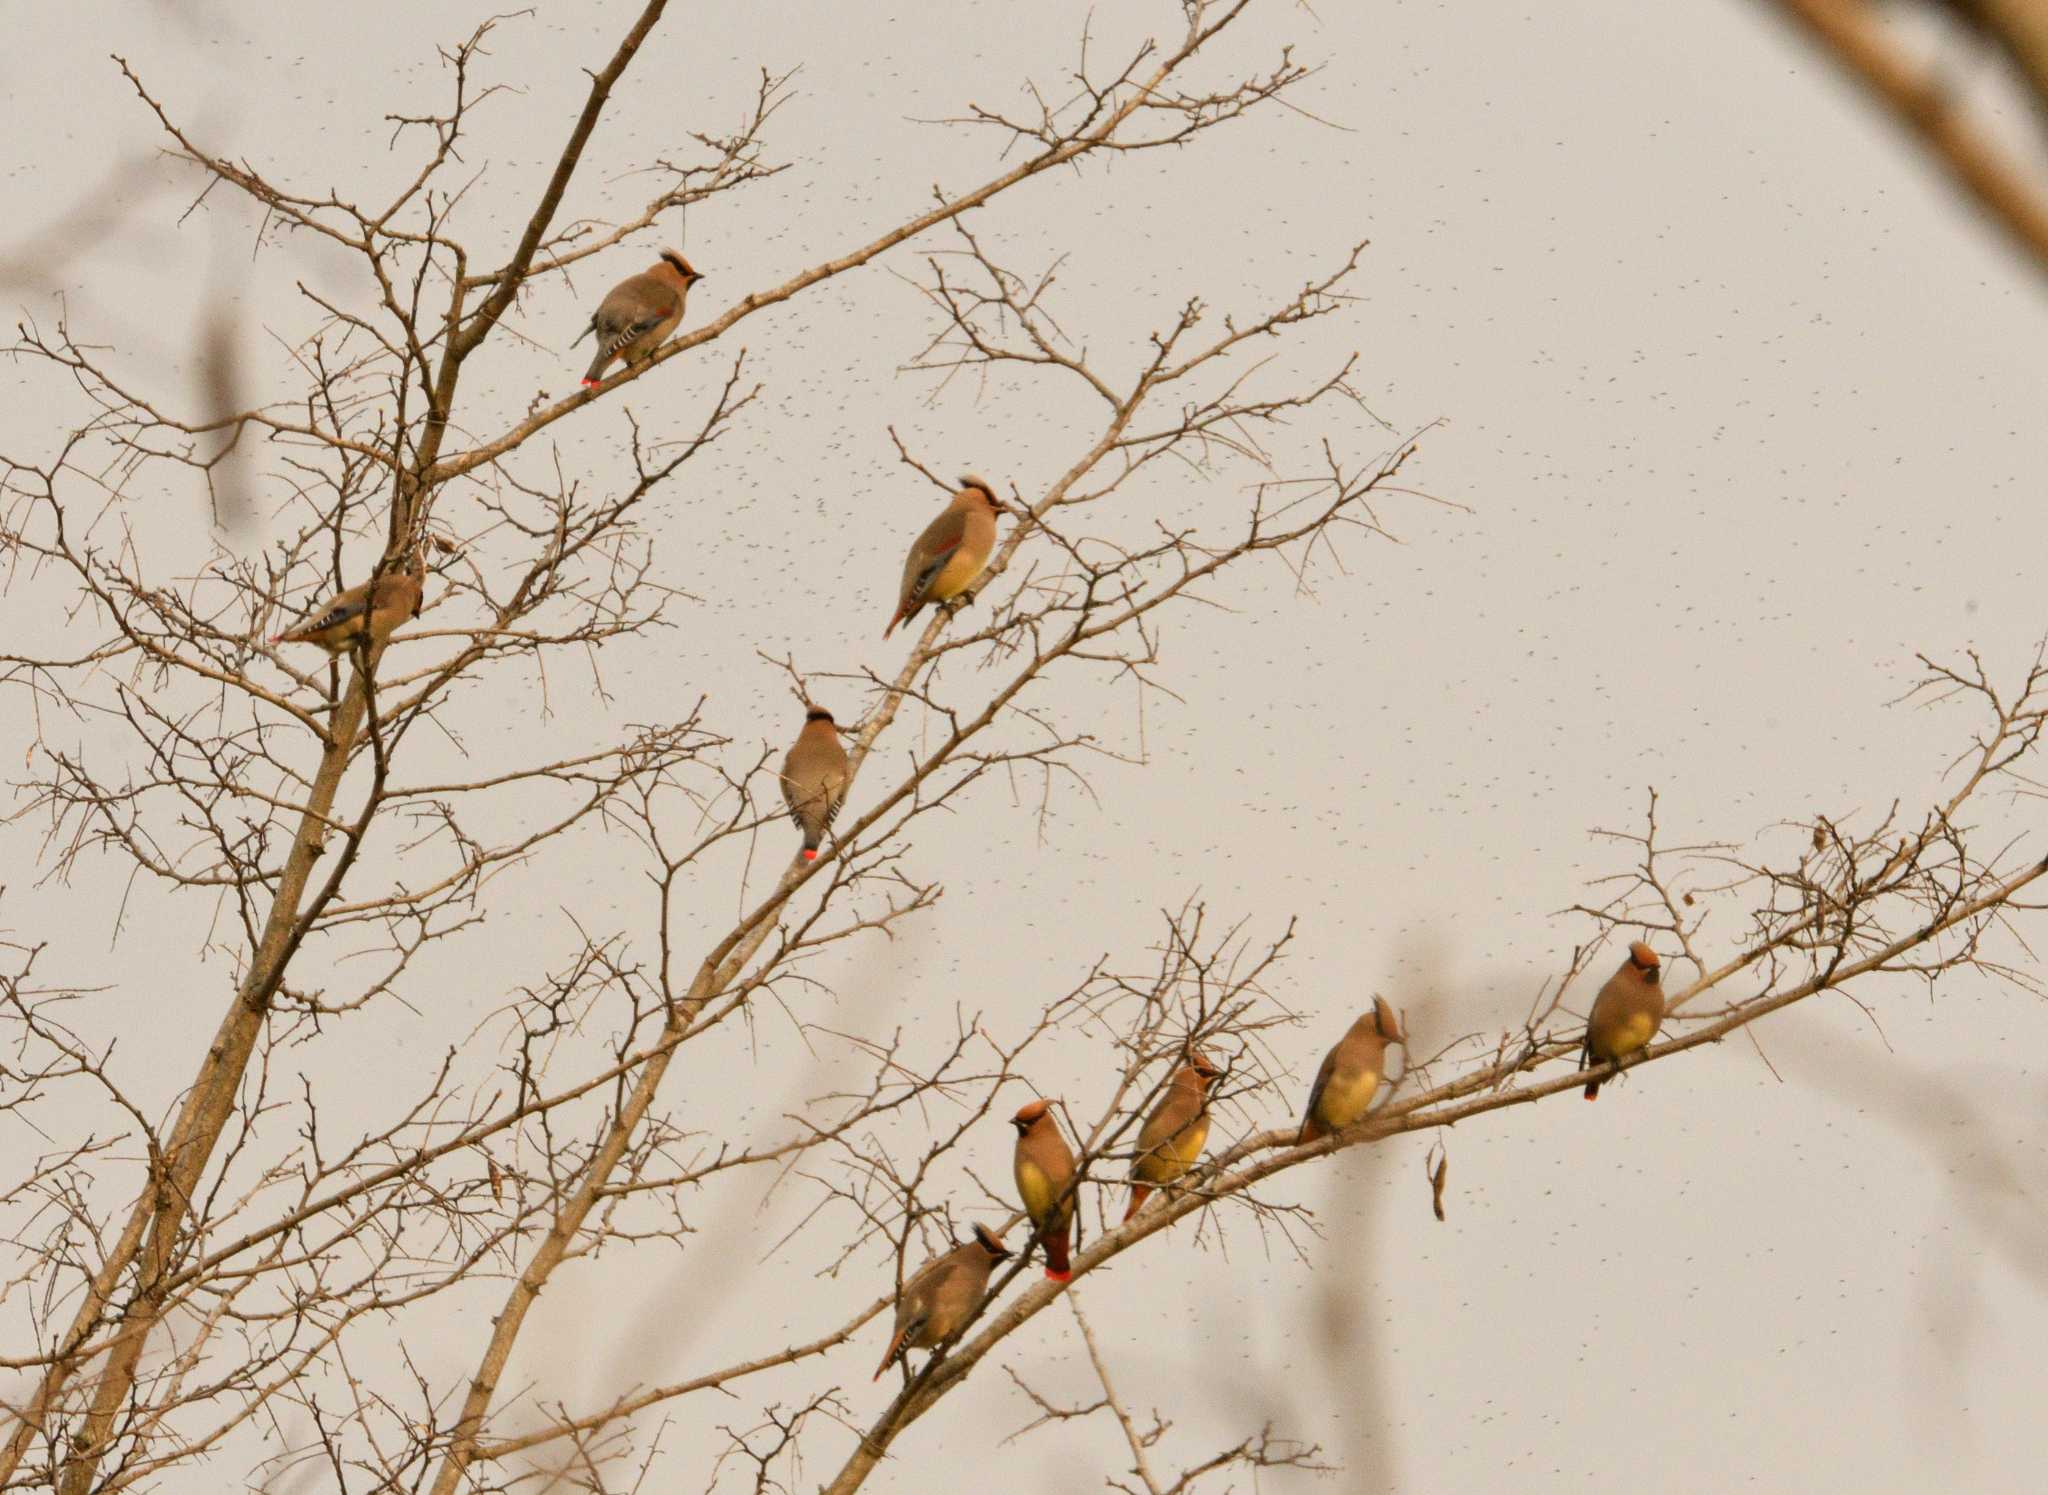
column 938, row 1300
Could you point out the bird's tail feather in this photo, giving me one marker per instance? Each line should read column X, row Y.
column 1139, row 1194
column 895, row 1349
column 1058, row 1266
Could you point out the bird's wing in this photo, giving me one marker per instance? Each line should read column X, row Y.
column 835, row 794
column 633, row 332
column 935, row 547
column 807, row 785
column 1168, row 1120
column 348, row 605
column 635, row 308
column 798, row 802
column 792, row 792
column 1315, row 1091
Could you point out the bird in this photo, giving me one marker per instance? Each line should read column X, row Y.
column 1174, row 1134
column 951, row 552
column 814, row 778
column 1626, row 1014
column 942, row 1294
column 1044, row 1167
column 369, row 611
column 638, row 314
column 1351, row 1073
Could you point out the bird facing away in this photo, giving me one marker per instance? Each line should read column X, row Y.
column 951, row 552
column 1626, row 1014
column 1351, row 1073
column 1173, row 1136
column 639, row 313
column 1044, row 1166
column 367, row 612
column 814, row 778
column 939, row 1298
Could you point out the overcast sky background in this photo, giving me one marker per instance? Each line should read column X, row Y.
column 1744, row 410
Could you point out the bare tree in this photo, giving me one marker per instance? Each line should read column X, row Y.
column 234, row 1283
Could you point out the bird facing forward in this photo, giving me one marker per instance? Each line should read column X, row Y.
column 1627, row 1013
column 1044, row 1169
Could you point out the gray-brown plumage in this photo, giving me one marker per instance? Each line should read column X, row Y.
column 814, row 778
column 1172, row 1139
column 1626, row 1014
column 945, row 1290
column 367, row 612
column 1044, row 1168
column 638, row 314
column 1351, row 1073
column 952, row 551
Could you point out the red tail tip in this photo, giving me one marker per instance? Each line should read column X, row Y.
column 590, row 383
column 810, row 853
column 1592, row 1092
column 1052, row 1276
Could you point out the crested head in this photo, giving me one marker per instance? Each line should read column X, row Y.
column 982, row 488
column 680, row 265
column 990, row 1242
column 817, row 714
column 1031, row 1113
column 1644, row 959
column 1205, row 1067
column 1382, row 1020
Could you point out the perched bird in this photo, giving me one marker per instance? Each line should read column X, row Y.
column 1351, row 1073
column 1044, row 1167
column 369, row 611
column 814, row 777
column 1174, row 1134
column 945, row 1290
column 639, row 313
column 951, row 552
column 1626, row 1014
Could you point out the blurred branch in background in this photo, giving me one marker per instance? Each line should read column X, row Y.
column 2012, row 193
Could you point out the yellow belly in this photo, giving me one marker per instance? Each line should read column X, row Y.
column 1346, row 1098
column 1035, row 1189
column 955, row 576
column 1633, row 1032
column 1178, row 1153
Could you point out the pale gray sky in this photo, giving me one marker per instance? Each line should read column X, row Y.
column 1744, row 410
